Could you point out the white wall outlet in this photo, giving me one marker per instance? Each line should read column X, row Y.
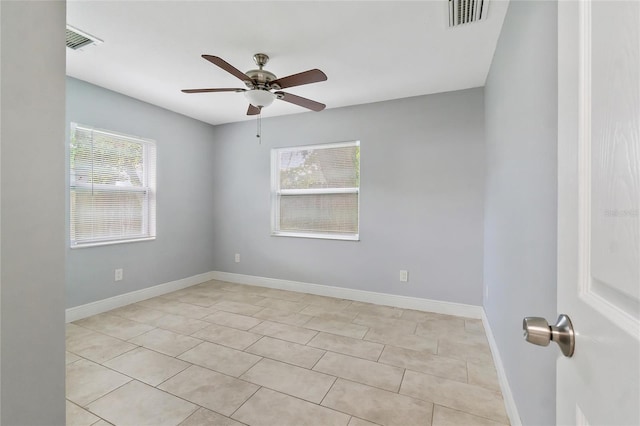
column 486, row 293
column 404, row 276
column 118, row 275
column 237, row 257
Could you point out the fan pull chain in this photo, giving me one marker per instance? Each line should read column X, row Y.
column 259, row 130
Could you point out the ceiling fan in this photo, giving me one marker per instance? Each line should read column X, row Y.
column 263, row 87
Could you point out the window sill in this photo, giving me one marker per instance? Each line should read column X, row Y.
column 341, row 237
column 108, row 243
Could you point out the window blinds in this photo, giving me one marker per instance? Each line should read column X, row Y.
column 316, row 191
column 112, row 187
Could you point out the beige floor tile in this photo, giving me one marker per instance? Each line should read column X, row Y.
column 227, row 336
column 71, row 357
column 359, row 422
column 473, row 326
column 324, row 301
column 320, row 312
column 220, row 358
column 180, row 324
column 286, row 317
column 246, row 298
column 449, row 368
column 210, row 389
column 329, row 312
column 378, row 310
column 295, row 381
column 282, row 305
column 223, row 285
column 443, row 416
column 347, row 345
column 138, row 313
column 376, row 405
column 460, row 396
column 470, row 347
column 98, row 347
column 408, row 341
column 483, row 375
column 361, row 371
column 241, row 322
column 166, row 342
column 88, row 381
column 186, row 310
column 337, row 327
column 289, row 352
column 206, row 417
column 237, row 307
column 441, row 327
column 199, row 299
column 175, row 295
column 114, row 326
column 157, row 302
column 138, row 404
column 270, row 408
column 72, row 331
column 419, row 316
column 380, row 322
column 275, row 293
column 78, row 416
column 147, row 366
column 287, row 332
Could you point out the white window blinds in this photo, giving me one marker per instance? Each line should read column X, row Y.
column 112, row 187
column 315, row 191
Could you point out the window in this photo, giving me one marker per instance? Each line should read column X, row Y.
column 112, row 187
column 316, row 190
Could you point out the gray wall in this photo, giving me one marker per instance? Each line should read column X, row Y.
column 520, row 204
column 184, row 245
column 32, row 216
column 422, row 189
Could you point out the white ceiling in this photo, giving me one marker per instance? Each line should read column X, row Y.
column 370, row 51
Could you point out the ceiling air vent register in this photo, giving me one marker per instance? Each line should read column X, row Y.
column 466, row 11
column 77, row 39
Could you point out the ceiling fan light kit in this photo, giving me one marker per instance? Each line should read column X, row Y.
column 263, row 87
column 260, row 97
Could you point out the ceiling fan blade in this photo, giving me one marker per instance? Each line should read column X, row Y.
column 298, row 100
column 306, row 77
column 211, row 90
column 227, row 67
column 253, row 110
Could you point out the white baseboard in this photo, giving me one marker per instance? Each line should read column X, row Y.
column 509, row 402
column 405, row 302
column 83, row 311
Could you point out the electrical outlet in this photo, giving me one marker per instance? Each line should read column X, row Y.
column 118, row 275
column 404, row 276
column 237, row 257
column 486, row 293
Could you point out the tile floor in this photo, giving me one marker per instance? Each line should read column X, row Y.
column 227, row 354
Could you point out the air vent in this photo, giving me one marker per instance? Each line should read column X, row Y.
column 467, row 11
column 77, row 39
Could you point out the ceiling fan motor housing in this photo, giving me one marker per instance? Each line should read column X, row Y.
column 261, row 79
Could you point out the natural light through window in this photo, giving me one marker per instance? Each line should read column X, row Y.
column 316, row 191
column 112, row 187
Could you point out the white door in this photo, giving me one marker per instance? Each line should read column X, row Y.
column 599, row 210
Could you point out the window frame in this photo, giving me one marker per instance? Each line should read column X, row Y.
column 276, row 193
column 149, row 189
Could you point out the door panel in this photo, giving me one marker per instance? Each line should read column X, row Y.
column 599, row 210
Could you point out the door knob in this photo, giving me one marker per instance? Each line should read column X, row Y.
column 538, row 331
